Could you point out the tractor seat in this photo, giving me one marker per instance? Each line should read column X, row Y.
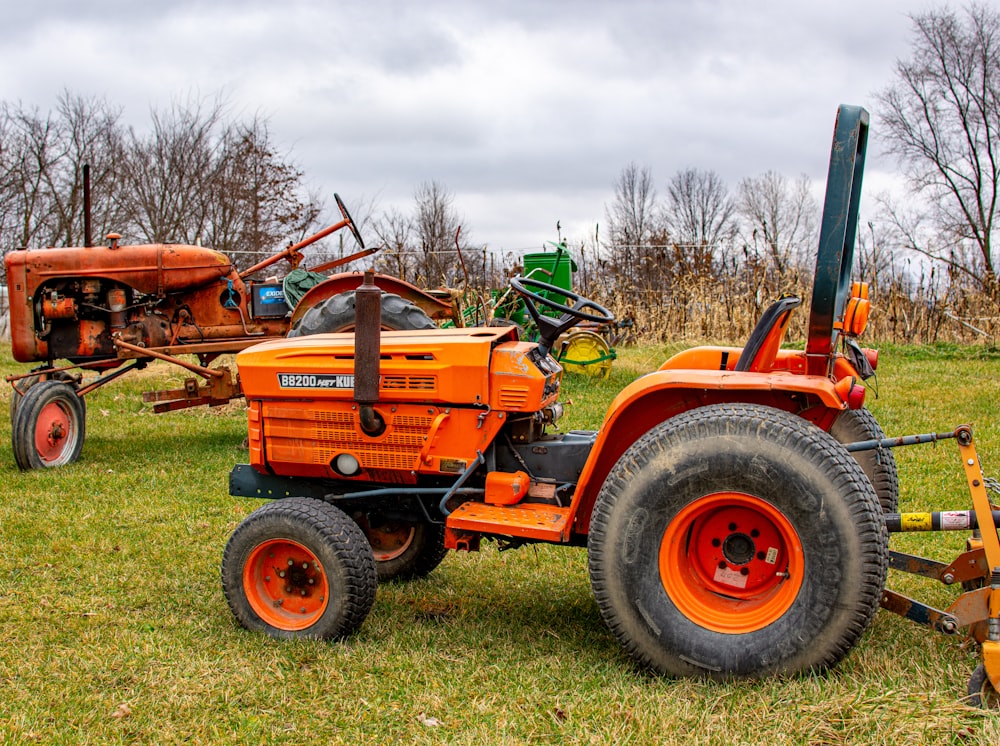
column 765, row 339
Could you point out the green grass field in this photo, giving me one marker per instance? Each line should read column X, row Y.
column 114, row 629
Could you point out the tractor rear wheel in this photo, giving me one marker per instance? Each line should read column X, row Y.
column 337, row 314
column 48, row 427
column 404, row 550
column 879, row 464
column 737, row 541
column 299, row 567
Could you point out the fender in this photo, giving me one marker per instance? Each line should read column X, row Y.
column 663, row 394
column 341, row 283
column 725, row 358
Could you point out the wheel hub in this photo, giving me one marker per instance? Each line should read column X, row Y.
column 51, row 431
column 285, row 584
column 731, row 562
column 738, row 549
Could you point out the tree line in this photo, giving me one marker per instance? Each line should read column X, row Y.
column 697, row 259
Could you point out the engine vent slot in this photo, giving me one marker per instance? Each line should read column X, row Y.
column 408, row 383
column 514, row 397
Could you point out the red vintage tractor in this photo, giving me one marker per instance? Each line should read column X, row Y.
column 112, row 309
column 728, row 533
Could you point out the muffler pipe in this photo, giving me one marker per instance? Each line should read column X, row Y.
column 367, row 353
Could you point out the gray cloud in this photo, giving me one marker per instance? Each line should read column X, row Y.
column 527, row 111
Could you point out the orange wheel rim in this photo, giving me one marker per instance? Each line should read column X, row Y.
column 390, row 541
column 285, row 584
column 53, row 432
column 731, row 562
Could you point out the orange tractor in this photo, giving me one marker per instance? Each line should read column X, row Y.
column 728, row 532
column 112, row 309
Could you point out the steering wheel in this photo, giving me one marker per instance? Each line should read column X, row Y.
column 349, row 219
column 549, row 329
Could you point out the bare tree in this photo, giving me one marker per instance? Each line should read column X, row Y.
column 88, row 134
column 435, row 228
column 394, row 231
column 168, row 172
column 254, row 200
column 41, row 177
column 699, row 216
column 941, row 118
column 631, row 217
column 780, row 219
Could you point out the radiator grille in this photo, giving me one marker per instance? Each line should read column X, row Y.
column 317, row 435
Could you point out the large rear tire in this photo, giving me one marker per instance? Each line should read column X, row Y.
column 49, row 426
column 737, row 541
column 337, row 314
column 299, row 567
column 879, row 464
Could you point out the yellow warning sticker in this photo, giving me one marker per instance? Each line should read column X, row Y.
column 915, row 521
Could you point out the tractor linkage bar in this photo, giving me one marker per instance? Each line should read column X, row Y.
column 977, row 569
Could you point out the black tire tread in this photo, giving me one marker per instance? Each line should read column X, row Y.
column 879, row 465
column 337, row 313
column 326, row 525
column 787, row 431
column 26, row 414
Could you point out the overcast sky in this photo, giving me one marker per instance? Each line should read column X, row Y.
column 525, row 110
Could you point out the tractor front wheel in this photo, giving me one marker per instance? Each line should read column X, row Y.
column 404, row 550
column 737, row 541
column 299, row 567
column 48, row 427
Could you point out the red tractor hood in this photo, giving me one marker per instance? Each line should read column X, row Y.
column 148, row 268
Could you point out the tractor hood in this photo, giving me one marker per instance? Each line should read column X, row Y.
column 153, row 269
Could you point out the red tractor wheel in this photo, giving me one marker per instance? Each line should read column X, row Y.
column 737, row 541
column 285, row 584
column 49, row 426
column 299, row 567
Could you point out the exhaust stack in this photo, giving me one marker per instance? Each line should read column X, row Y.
column 367, row 351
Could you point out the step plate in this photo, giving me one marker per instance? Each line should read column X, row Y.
column 528, row 520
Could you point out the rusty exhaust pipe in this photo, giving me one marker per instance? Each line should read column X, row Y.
column 367, row 351
column 88, row 236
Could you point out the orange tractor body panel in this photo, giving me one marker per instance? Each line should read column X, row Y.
column 438, row 396
column 663, row 394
